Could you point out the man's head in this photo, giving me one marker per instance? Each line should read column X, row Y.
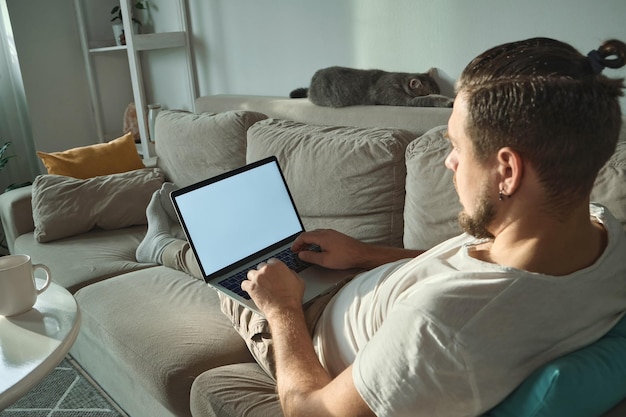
column 549, row 104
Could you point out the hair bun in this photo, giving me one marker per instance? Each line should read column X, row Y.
column 612, row 53
column 597, row 61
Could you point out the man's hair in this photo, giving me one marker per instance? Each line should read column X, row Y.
column 550, row 103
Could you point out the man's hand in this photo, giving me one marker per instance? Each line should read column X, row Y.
column 304, row 387
column 339, row 251
column 274, row 287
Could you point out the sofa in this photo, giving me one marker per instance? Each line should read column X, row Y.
column 155, row 339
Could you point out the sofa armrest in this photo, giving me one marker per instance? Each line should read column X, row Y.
column 16, row 214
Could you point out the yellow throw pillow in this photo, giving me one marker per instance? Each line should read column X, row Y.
column 116, row 156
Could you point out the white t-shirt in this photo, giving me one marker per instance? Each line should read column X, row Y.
column 445, row 334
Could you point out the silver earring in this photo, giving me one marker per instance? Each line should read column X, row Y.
column 501, row 195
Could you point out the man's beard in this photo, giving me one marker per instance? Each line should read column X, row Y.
column 477, row 224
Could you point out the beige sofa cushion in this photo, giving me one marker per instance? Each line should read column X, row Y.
column 81, row 260
column 432, row 204
column 65, row 206
column 152, row 332
column 192, row 147
column 346, row 178
column 610, row 186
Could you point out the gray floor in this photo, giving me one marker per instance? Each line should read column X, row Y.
column 66, row 392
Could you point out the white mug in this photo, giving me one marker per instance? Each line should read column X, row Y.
column 18, row 292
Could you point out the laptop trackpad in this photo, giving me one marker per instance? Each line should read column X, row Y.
column 320, row 281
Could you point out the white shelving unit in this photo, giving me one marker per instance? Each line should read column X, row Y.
column 136, row 44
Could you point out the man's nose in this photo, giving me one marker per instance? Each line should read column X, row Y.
column 451, row 161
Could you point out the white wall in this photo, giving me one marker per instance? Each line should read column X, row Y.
column 268, row 47
column 271, row 47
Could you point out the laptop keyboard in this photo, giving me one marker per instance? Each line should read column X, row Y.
column 287, row 256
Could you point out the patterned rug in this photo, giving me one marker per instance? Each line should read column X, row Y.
column 66, row 392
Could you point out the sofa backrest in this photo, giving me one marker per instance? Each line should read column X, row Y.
column 346, row 166
column 417, row 120
column 334, row 170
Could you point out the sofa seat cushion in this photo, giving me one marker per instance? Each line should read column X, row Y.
column 153, row 330
column 432, row 204
column 86, row 258
column 345, row 178
column 192, row 147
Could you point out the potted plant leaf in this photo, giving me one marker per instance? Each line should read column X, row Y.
column 4, row 159
column 118, row 27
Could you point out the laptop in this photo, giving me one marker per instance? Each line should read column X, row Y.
column 238, row 219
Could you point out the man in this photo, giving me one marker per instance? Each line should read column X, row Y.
column 451, row 331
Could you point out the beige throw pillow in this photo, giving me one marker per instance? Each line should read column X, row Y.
column 65, row 206
column 432, row 204
column 192, row 147
column 345, row 178
column 610, row 186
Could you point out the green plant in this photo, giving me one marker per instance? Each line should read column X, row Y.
column 4, row 159
column 116, row 12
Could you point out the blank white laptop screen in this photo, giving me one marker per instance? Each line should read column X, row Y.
column 238, row 216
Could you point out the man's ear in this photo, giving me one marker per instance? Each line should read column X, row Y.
column 510, row 168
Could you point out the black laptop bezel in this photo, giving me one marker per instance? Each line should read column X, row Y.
column 262, row 253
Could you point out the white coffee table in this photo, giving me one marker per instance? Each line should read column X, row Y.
column 32, row 344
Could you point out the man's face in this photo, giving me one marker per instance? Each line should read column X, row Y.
column 470, row 176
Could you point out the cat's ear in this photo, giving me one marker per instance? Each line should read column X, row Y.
column 415, row 83
column 432, row 72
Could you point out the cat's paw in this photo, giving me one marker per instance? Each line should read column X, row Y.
column 441, row 101
column 449, row 102
column 432, row 100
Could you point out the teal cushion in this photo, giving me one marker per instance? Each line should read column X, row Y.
column 587, row 382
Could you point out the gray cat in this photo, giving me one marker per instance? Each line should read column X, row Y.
column 341, row 87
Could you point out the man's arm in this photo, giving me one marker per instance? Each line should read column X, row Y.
column 339, row 251
column 304, row 386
